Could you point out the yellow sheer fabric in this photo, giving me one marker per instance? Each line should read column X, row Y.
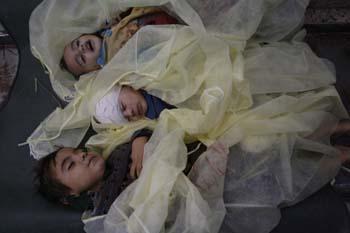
column 271, row 103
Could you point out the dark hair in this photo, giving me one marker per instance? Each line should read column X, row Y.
column 46, row 184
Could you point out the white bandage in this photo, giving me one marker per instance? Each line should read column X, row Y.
column 108, row 109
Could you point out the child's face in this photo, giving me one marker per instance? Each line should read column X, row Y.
column 78, row 170
column 132, row 103
column 81, row 54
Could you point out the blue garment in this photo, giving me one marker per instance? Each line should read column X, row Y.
column 155, row 105
column 101, row 59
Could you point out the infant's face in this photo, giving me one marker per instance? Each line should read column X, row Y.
column 78, row 170
column 132, row 103
column 81, row 54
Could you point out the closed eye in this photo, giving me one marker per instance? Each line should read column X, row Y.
column 122, row 107
column 71, row 165
column 66, row 164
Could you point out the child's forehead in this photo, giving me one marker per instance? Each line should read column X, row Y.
column 62, row 154
column 52, row 167
column 88, row 36
column 65, row 151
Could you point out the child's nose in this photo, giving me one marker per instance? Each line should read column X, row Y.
column 82, row 48
column 80, row 157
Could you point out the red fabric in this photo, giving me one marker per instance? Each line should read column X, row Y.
column 157, row 19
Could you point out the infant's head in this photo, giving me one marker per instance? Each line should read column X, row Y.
column 120, row 105
column 80, row 56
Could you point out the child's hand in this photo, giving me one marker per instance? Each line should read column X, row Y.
column 137, row 149
column 208, row 172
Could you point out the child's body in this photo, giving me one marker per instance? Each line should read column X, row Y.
column 90, row 52
column 69, row 173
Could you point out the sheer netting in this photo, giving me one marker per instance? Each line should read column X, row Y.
column 243, row 84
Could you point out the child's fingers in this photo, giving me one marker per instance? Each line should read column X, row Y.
column 219, row 148
column 138, row 170
column 139, row 164
column 136, row 167
column 132, row 170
